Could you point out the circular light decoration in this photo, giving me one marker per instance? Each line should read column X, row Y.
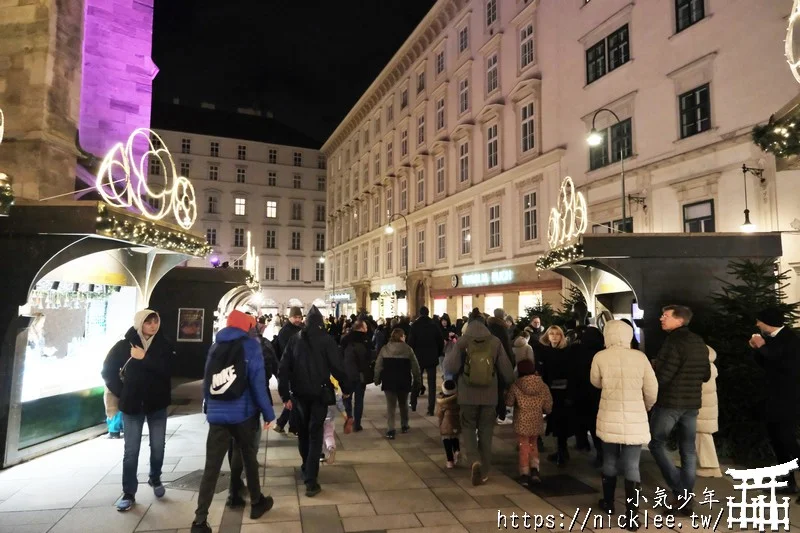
column 173, row 195
column 793, row 41
column 568, row 220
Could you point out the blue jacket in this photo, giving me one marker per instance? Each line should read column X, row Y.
column 254, row 399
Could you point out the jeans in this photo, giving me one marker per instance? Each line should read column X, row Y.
column 477, row 428
column 431, row 372
column 235, row 456
column 628, row 453
column 356, row 411
column 662, row 422
column 393, row 399
column 310, row 417
column 217, row 445
column 157, row 428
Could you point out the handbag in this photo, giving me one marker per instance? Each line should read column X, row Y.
column 122, row 370
column 328, row 395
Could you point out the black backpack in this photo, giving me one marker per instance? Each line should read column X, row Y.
column 226, row 372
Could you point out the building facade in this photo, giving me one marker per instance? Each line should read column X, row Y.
column 462, row 142
column 255, row 179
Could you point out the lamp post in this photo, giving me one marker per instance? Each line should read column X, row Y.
column 749, row 227
column 595, row 139
column 389, row 231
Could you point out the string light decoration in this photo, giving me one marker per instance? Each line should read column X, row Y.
column 251, row 264
column 568, row 220
column 559, row 256
column 149, row 234
column 6, row 191
column 176, row 197
column 791, row 56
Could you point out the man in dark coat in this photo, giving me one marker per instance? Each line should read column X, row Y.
column 778, row 352
column 425, row 338
column 497, row 326
column 289, row 330
column 358, row 360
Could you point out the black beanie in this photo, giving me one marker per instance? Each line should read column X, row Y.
column 771, row 316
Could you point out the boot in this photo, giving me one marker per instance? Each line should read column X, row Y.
column 609, row 486
column 631, row 498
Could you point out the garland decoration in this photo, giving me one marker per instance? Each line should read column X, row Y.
column 780, row 138
column 559, row 256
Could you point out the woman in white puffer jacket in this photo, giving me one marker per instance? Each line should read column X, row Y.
column 629, row 389
column 708, row 424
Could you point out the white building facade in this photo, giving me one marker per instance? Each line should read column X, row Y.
column 471, row 127
column 273, row 194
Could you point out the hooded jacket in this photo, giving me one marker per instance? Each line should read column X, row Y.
column 288, row 331
column 449, row 414
column 425, row 338
column 309, row 360
column 397, row 369
column 147, row 386
column 497, row 326
column 255, row 398
column 522, row 350
column 708, row 417
column 455, row 359
column 628, row 388
column 532, row 399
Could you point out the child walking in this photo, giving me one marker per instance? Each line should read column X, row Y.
column 329, row 428
column 448, row 412
column 531, row 399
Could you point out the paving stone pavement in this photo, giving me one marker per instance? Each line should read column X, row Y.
column 399, row 486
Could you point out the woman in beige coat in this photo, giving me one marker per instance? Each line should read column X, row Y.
column 628, row 391
column 707, row 425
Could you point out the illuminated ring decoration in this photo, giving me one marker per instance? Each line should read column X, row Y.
column 791, row 57
column 569, row 219
column 176, row 194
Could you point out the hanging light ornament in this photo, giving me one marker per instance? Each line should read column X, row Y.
column 6, row 191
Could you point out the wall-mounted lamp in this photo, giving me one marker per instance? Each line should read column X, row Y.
column 639, row 200
column 747, row 226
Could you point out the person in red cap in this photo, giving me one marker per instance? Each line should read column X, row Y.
column 235, row 397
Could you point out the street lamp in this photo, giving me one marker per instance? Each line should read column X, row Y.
column 749, row 227
column 322, row 260
column 595, row 139
column 389, row 231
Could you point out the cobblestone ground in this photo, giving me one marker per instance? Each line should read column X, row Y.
column 375, row 485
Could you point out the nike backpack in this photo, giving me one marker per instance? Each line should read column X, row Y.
column 226, row 371
column 479, row 363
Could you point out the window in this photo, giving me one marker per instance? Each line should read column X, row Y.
column 376, row 259
column 213, row 149
column 319, row 244
column 607, row 55
column 241, row 175
column 213, row 205
column 621, row 145
column 241, row 152
column 403, row 195
column 420, row 246
column 695, row 111
column 273, row 156
column 466, row 236
column 404, row 251
column 463, row 162
column 440, row 114
column 270, row 240
column 338, row 267
column 389, row 251
column 376, row 211
column 155, row 141
column 491, row 147
column 491, row 74
column 366, row 138
column 321, row 162
column 297, row 181
column 403, row 143
column 297, row 211
column 294, row 273
column 494, row 227
column 239, row 206
column 213, row 172
column 298, row 159
column 699, row 217
column 389, row 155
column 319, row 271
column 440, row 178
column 320, row 183
column 365, row 261
column 377, row 125
column 269, row 273
column 238, row 237
column 439, row 63
column 238, row 264
column 463, row 95
column 154, row 203
column 615, row 226
column 320, row 213
column 420, row 82
column 377, row 165
column 354, row 255
column 441, row 241
column 463, row 39
column 186, row 146
column 272, row 179
column 420, row 130
column 211, row 236
column 355, row 146
column 688, row 12
column 530, row 227
column 404, row 99
column 295, row 240
column 491, row 12
column 526, row 46
column 527, row 126
column 185, row 168
column 272, row 209
column 389, row 202
column 420, row 186
column 155, row 166
column 389, row 113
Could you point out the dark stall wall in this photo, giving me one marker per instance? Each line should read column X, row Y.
column 192, row 289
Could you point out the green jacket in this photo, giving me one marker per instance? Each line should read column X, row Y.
column 682, row 366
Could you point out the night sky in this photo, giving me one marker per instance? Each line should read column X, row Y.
column 306, row 61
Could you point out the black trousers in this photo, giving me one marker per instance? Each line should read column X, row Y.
column 451, row 446
column 784, row 444
column 431, row 372
column 217, row 444
column 286, row 417
column 310, row 416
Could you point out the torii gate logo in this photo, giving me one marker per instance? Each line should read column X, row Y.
column 568, row 220
column 758, row 512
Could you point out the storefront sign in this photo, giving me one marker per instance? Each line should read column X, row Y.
column 479, row 279
column 340, row 297
column 569, row 220
column 175, row 196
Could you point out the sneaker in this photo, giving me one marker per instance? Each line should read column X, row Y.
column 451, row 464
column 358, row 428
column 422, row 391
column 278, row 429
column 476, row 474
column 456, row 457
column 348, row 425
column 313, row 489
column 535, row 479
column 429, row 413
column 261, row 506
column 391, row 434
column 292, row 434
column 506, row 421
column 125, row 502
column 524, row 480
column 114, row 435
column 404, row 429
column 234, row 500
column 158, row 488
column 331, row 457
column 201, row 528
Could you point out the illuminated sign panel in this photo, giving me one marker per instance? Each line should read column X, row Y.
column 343, row 296
column 480, row 279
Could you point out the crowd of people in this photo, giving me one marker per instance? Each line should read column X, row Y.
column 580, row 382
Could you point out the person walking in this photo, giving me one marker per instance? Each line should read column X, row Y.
column 137, row 371
column 587, row 397
column 358, row 361
column 681, row 367
column 497, row 326
column 449, row 415
column 480, row 361
column 708, row 424
column 235, row 397
column 308, row 362
column 560, row 374
column 291, row 328
column 425, row 338
column 777, row 351
column 397, row 372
